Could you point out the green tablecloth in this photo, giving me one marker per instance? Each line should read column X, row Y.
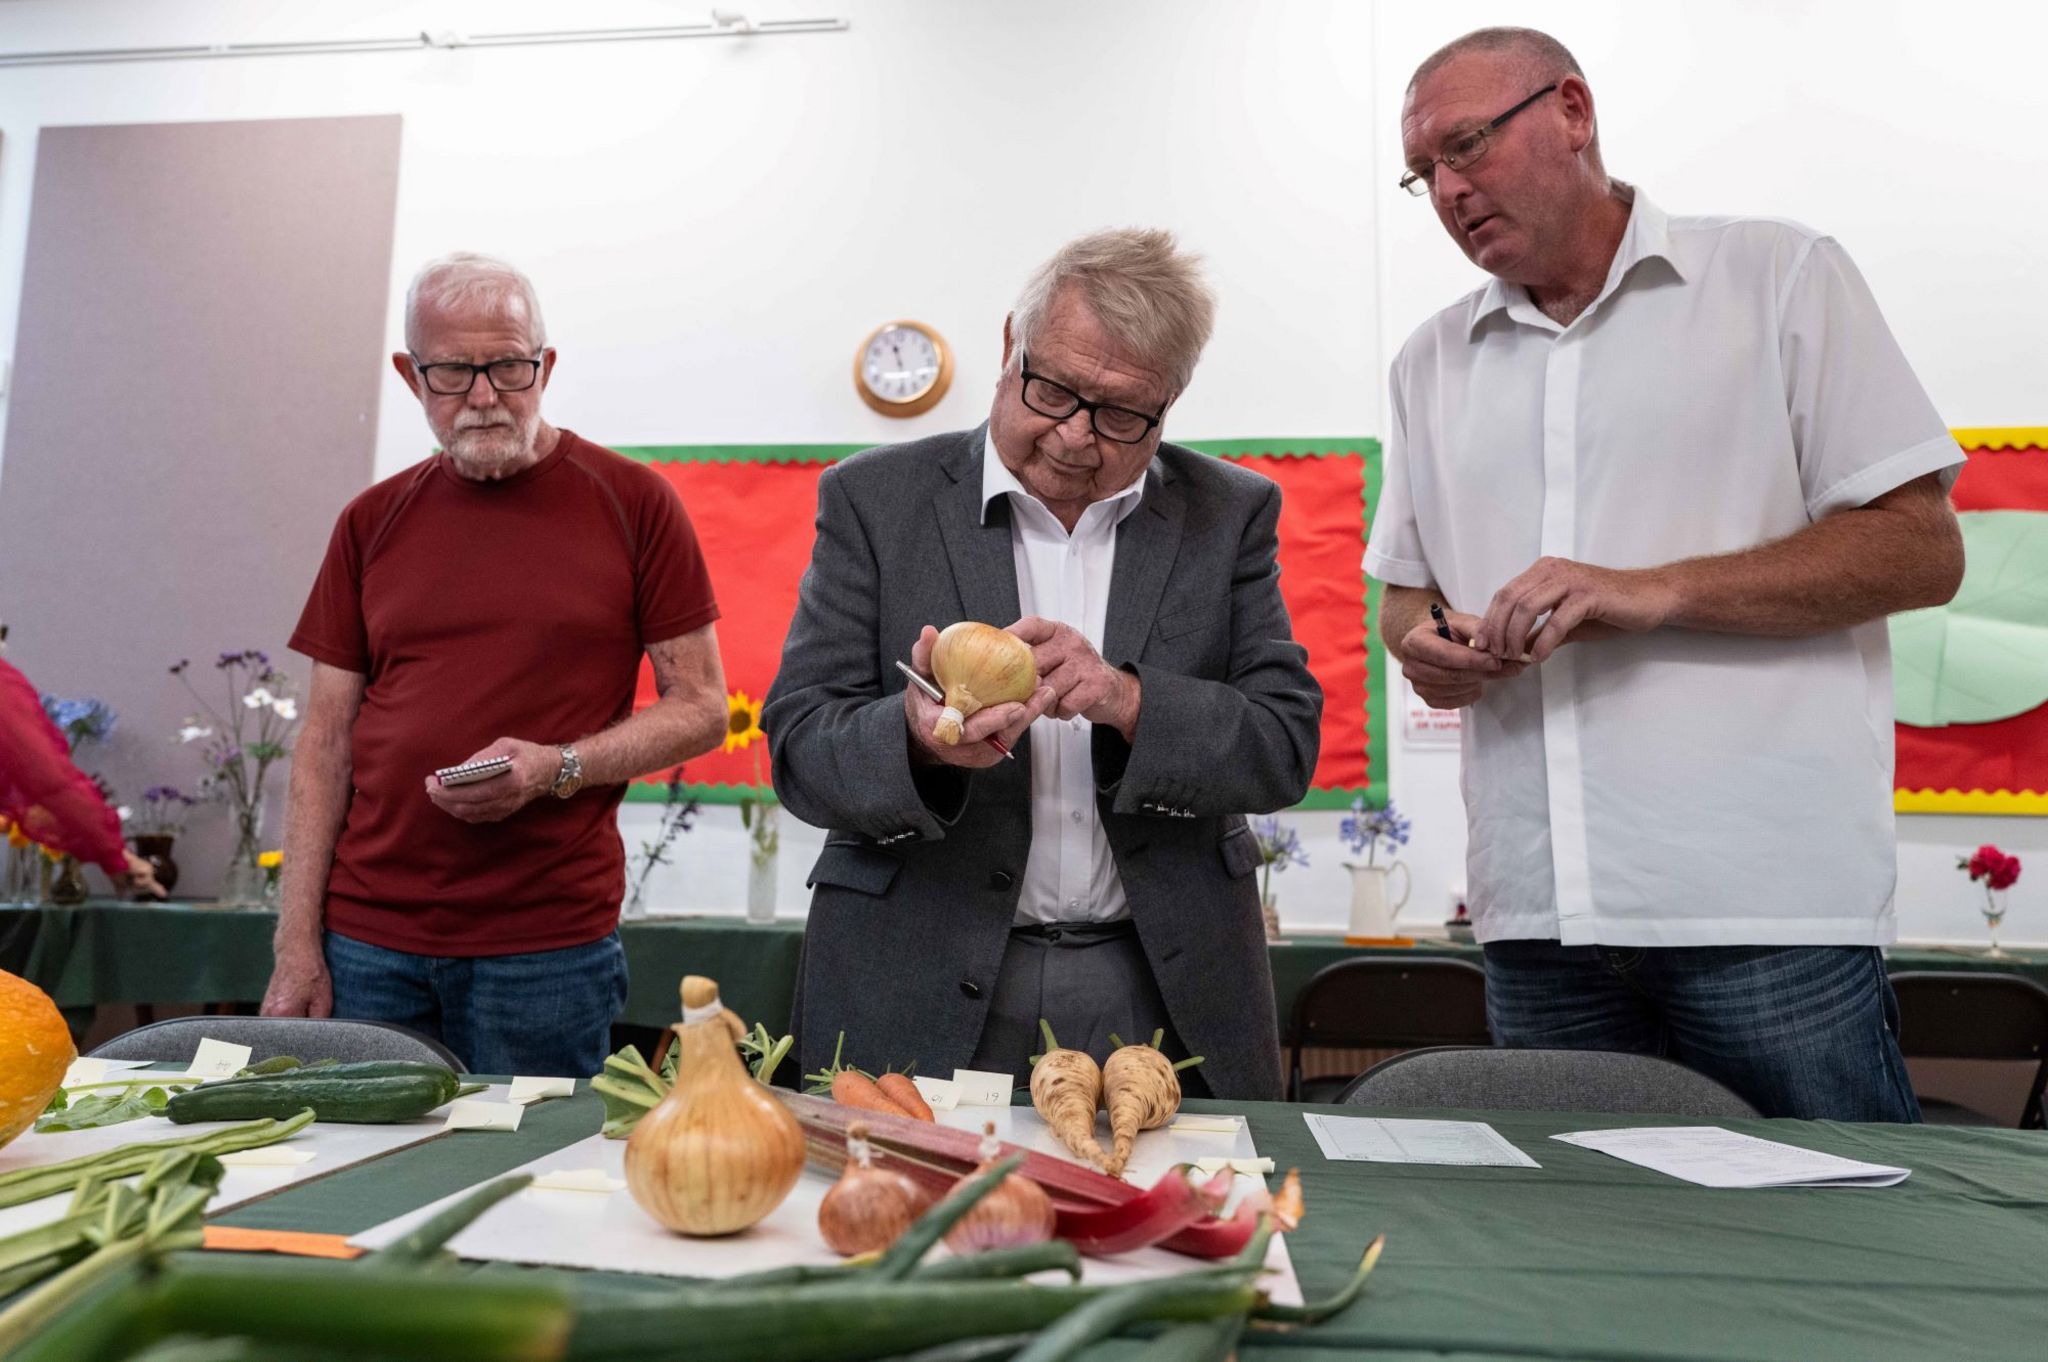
column 1586, row 1257
column 109, row 952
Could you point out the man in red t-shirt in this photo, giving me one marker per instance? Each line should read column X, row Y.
column 492, row 601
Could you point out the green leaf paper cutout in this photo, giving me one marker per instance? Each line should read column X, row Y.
column 1984, row 655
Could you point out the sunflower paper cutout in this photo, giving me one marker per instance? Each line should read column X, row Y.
column 742, row 721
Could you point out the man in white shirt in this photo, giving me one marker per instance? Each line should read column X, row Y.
column 1103, row 880
column 1668, row 475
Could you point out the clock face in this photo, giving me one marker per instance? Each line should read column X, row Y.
column 900, row 364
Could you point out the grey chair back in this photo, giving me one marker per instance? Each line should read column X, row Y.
column 1544, row 1080
column 1374, row 1003
column 307, row 1038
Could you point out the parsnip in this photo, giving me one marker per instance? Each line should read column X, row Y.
column 1141, row 1088
column 1066, row 1089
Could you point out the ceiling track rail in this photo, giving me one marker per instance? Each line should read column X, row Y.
column 722, row 26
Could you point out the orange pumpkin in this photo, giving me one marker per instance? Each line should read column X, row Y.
column 35, row 1051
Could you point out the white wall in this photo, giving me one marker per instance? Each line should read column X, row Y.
column 714, row 224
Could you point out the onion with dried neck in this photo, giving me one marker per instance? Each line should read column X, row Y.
column 719, row 1152
column 868, row 1208
column 1017, row 1212
column 979, row 665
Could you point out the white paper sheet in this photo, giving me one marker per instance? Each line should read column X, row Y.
column 612, row 1233
column 334, row 1146
column 473, row 1113
column 1373, row 1139
column 1713, row 1157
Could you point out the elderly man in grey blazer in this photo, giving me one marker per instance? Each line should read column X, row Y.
column 1102, row 879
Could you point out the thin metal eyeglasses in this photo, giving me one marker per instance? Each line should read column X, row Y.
column 455, row 380
column 1120, row 425
column 1465, row 148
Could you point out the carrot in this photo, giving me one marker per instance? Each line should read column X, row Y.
column 899, row 1089
column 850, row 1087
column 1066, row 1088
column 1142, row 1091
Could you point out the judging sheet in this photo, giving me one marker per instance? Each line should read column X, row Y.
column 1374, row 1139
column 607, row 1230
column 1713, row 1157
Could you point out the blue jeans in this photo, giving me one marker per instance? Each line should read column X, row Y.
column 545, row 1014
column 1805, row 1031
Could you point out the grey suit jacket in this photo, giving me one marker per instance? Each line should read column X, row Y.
column 921, row 871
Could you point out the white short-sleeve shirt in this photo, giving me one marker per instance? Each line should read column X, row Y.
column 1733, row 383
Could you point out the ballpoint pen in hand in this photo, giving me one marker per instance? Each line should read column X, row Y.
column 939, row 697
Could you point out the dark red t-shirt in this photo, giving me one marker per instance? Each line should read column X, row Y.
column 479, row 610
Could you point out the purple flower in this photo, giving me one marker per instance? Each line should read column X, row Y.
column 1366, row 828
column 1279, row 845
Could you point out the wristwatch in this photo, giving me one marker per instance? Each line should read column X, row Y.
column 570, row 780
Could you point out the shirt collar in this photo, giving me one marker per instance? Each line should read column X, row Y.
column 997, row 480
column 1647, row 237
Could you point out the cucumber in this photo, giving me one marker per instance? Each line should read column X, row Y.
column 326, row 1070
column 336, row 1094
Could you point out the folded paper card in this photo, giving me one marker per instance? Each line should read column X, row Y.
column 1254, row 1166
column 940, row 1094
column 1206, row 1125
column 218, row 1059
column 268, row 1156
column 525, row 1090
column 577, row 1180
column 979, row 1088
column 469, row 1114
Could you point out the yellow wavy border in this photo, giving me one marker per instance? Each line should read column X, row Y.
column 2001, row 437
column 1971, row 801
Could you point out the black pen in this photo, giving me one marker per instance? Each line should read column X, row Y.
column 1443, row 626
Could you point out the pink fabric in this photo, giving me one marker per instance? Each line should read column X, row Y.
column 52, row 801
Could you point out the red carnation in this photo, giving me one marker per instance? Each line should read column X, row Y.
column 1994, row 867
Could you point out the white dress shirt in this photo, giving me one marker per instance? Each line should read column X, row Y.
column 1733, row 383
column 1070, row 873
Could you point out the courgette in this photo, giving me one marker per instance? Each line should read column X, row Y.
column 371, row 1093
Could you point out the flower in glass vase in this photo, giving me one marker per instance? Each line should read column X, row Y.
column 760, row 814
column 1998, row 872
column 240, row 740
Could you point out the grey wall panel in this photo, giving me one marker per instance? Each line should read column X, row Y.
column 200, row 352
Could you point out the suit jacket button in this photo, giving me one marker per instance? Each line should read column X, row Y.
column 970, row 988
column 1002, row 879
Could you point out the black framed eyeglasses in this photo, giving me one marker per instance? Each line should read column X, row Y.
column 1465, row 148
column 455, row 380
column 1120, row 425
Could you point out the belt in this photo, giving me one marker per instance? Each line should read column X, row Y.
column 1076, row 933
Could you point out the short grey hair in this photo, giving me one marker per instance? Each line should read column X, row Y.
column 1144, row 290
column 1546, row 57
column 466, row 277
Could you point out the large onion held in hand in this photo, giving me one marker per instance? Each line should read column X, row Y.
column 979, row 665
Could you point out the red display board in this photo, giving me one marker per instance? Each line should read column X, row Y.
column 753, row 507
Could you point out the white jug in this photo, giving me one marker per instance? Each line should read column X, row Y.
column 1372, row 912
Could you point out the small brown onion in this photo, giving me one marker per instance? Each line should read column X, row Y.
column 1016, row 1212
column 869, row 1208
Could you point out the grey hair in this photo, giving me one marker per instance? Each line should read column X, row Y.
column 466, row 278
column 1144, row 290
column 1546, row 57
